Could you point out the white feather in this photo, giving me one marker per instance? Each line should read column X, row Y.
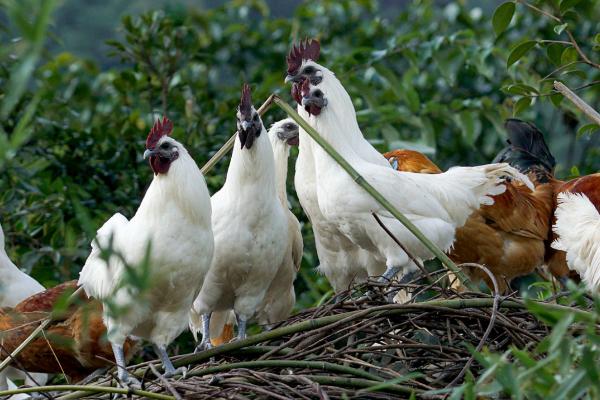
column 250, row 225
column 578, row 229
column 173, row 221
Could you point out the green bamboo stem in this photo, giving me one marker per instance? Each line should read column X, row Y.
column 321, row 365
column 87, row 389
column 359, row 383
column 449, row 264
column 36, row 332
column 229, row 144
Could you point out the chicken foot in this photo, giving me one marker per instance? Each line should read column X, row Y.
column 126, row 380
column 167, row 364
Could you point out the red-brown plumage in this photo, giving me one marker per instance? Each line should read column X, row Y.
column 507, row 237
column 77, row 337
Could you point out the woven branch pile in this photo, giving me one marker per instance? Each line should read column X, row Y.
column 356, row 345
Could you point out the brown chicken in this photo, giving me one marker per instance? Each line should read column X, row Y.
column 508, row 237
column 74, row 343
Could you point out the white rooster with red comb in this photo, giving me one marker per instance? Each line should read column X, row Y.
column 436, row 204
column 250, row 225
column 171, row 235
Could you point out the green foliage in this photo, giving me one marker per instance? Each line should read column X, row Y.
column 565, row 365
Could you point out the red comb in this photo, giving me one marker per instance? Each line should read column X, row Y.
column 307, row 50
column 160, row 129
column 246, row 101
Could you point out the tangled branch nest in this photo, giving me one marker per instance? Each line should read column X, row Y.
column 352, row 346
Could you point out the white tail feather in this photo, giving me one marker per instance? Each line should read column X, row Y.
column 578, row 227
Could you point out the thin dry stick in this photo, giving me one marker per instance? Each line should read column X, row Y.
column 56, row 358
column 579, row 103
column 229, row 144
column 36, row 332
column 395, row 239
column 488, row 330
column 165, row 382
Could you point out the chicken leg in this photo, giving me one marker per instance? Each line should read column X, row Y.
column 241, row 321
column 167, row 364
column 205, row 344
column 124, row 377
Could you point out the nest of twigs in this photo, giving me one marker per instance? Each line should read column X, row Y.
column 355, row 345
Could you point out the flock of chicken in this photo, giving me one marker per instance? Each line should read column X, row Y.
column 215, row 262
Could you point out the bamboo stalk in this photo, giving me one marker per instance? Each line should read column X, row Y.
column 36, row 332
column 579, row 103
column 87, row 389
column 229, row 144
column 449, row 264
column 320, row 365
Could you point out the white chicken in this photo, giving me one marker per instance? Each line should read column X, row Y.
column 436, row 204
column 15, row 285
column 171, row 230
column 280, row 298
column 251, row 229
column 578, row 228
column 342, row 262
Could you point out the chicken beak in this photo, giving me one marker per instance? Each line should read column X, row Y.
column 246, row 125
column 289, row 78
column 149, row 153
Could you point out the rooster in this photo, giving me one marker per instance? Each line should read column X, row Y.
column 436, row 204
column 340, row 260
column 75, row 341
column 169, row 239
column 578, row 228
column 251, row 228
column 528, row 152
column 280, row 298
column 15, row 285
column 509, row 236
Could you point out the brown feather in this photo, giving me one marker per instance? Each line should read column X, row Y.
column 507, row 237
column 78, row 339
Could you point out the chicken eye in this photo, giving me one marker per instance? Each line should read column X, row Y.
column 309, row 70
column 289, row 127
column 255, row 118
column 165, row 146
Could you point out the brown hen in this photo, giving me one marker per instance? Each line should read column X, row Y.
column 74, row 343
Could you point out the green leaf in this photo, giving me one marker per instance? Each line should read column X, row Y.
column 520, row 89
column 519, row 51
column 556, row 99
column 568, row 56
column 587, row 129
column 558, row 29
column 567, row 4
column 575, row 171
column 521, row 105
column 554, row 52
column 502, row 17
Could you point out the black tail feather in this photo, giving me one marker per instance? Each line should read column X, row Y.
column 527, row 150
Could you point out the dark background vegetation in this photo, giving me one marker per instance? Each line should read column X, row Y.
column 438, row 77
